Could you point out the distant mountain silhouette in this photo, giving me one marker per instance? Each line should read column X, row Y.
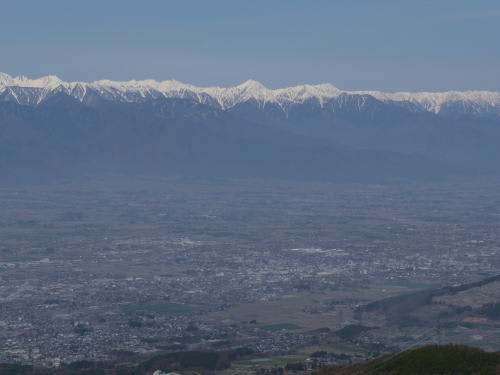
column 50, row 128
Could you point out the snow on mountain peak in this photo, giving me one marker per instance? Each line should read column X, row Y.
column 251, row 85
column 5, row 80
column 50, row 81
column 250, row 90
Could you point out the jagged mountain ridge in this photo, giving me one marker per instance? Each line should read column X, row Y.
column 47, row 125
column 23, row 90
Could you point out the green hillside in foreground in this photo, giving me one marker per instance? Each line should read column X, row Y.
column 428, row 360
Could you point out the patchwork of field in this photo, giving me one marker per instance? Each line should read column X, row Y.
column 146, row 264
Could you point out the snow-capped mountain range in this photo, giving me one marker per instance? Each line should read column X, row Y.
column 51, row 127
column 26, row 91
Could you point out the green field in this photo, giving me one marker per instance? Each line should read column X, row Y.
column 160, row 308
column 346, row 348
column 275, row 361
column 279, row 327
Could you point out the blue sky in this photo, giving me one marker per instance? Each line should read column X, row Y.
column 372, row 44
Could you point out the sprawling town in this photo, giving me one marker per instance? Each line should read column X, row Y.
column 100, row 272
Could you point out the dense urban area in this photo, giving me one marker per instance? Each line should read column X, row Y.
column 291, row 271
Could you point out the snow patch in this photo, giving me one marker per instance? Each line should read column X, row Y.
column 251, row 90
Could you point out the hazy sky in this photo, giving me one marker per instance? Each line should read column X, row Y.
column 372, row 44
